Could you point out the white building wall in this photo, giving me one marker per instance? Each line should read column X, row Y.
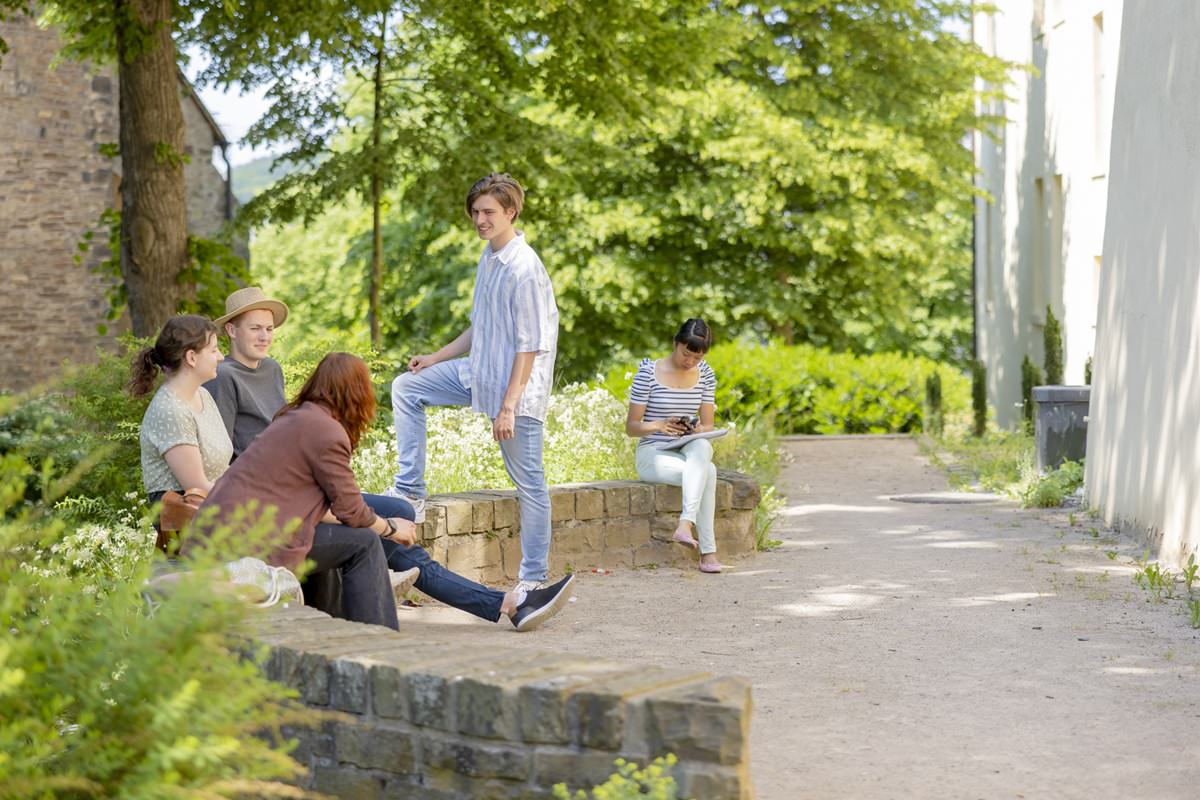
column 1039, row 237
column 1143, row 464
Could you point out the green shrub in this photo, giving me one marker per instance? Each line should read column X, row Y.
column 979, row 397
column 995, row 462
column 806, row 389
column 1031, row 376
column 100, row 698
column 1049, row 490
column 1052, row 344
column 630, row 783
column 584, row 441
column 934, row 420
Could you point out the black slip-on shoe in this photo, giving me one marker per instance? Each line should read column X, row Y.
column 542, row 604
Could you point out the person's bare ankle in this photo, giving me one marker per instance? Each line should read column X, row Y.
column 509, row 605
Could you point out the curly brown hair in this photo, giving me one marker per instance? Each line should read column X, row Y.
column 341, row 383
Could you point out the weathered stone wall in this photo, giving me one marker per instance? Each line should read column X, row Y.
column 418, row 718
column 54, row 184
column 606, row 524
column 206, row 209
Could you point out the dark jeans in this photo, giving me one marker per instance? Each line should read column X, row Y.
column 436, row 581
column 355, row 555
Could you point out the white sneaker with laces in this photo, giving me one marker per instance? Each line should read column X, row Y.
column 402, row 582
column 418, row 503
column 524, row 587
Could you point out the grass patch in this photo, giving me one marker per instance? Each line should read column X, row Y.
column 1003, row 462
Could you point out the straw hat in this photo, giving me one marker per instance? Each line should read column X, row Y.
column 249, row 299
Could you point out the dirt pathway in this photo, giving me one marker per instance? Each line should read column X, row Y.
column 903, row 650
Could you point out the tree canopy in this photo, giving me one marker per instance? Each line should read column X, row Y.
column 808, row 180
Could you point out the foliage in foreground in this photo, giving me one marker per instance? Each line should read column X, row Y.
column 99, row 696
column 631, row 783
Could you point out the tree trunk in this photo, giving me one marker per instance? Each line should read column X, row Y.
column 377, row 193
column 153, row 202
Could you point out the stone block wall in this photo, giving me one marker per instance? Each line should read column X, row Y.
column 609, row 524
column 410, row 717
column 54, row 184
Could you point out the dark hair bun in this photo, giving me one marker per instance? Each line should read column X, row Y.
column 695, row 335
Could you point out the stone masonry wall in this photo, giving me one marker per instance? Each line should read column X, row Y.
column 411, row 717
column 206, row 212
column 606, row 525
column 54, row 184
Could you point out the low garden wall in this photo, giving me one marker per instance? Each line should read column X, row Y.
column 607, row 524
column 413, row 717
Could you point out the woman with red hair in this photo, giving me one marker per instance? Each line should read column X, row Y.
column 299, row 469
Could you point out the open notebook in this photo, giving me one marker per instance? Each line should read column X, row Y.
column 675, row 444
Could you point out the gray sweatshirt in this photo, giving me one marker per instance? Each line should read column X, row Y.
column 248, row 399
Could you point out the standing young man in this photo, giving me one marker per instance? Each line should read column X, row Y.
column 511, row 342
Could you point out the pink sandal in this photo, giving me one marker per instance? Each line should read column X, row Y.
column 711, row 568
column 684, row 538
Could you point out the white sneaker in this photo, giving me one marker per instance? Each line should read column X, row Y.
column 524, row 587
column 402, row 582
column 418, row 503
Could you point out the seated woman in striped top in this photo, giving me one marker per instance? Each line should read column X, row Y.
column 671, row 397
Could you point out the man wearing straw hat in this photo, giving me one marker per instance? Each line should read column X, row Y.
column 249, row 384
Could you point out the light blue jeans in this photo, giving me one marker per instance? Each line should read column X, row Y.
column 441, row 385
column 691, row 469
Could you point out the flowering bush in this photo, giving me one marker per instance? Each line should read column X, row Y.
column 106, row 547
column 584, row 441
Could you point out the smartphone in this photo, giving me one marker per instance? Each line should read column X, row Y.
column 688, row 422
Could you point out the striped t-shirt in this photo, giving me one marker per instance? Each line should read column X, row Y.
column 513, row 311
column 662, row 402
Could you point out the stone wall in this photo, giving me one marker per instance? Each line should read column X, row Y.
column 411, row 717
column 54, row 184
column 603, row 525
column 206, row 200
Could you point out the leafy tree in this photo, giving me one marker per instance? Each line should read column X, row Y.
column 814, row 187
column 428, row 93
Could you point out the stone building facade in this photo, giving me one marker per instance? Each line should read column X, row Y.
column 54, row 186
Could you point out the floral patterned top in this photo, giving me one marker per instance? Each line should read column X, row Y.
column 169, row 422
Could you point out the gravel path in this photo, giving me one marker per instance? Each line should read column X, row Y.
column 914, row 649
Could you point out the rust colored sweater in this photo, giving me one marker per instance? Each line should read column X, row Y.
column 298, row 468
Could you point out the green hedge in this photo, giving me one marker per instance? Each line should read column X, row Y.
column 811, row 390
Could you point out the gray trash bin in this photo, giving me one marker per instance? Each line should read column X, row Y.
column 1060, row 424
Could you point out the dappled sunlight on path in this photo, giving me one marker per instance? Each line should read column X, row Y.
column 911, row 649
